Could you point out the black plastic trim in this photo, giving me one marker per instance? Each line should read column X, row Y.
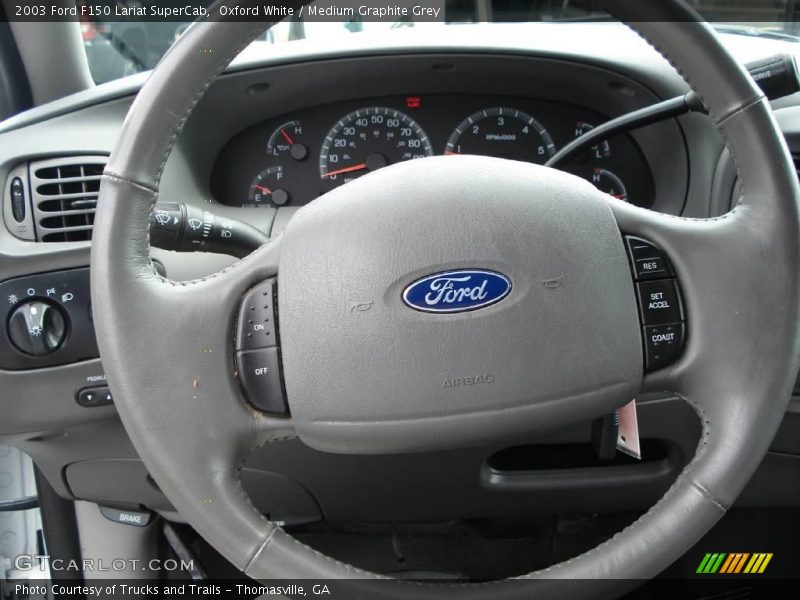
column 60, row 528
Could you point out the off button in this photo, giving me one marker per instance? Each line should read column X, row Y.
column 260, row 375
column 659, row 302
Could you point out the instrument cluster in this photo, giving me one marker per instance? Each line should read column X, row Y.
column 290, row 160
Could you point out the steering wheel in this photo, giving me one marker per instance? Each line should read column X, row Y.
column 371, row 380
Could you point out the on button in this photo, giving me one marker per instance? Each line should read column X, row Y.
column 257, row 318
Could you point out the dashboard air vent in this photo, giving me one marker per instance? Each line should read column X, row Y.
column 64, row 197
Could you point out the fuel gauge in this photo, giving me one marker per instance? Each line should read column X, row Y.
column 266, row 189
column 287, row 142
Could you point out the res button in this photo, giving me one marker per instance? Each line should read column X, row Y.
column 648, row 261
column 651, row 268
column 659, row 302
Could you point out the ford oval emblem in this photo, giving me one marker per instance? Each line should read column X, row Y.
column 457, row 291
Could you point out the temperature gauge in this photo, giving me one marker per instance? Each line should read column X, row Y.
column 606, row 181
column 286, row 141
column 267, row 190
column 601, row 150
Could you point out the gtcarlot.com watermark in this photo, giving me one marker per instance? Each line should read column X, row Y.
column 42, row 562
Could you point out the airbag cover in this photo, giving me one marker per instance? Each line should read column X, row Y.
column 365, row 372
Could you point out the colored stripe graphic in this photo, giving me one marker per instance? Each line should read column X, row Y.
column 732, row 558
column 741, row 562
column 711, row 562
column 703, row 563
column 758, row 563
column 734, row 563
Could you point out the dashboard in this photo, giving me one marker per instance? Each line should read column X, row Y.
column 292, row 159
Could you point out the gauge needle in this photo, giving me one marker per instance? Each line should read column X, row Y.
column 264, row 189
column 358, row 167
column 287, row 137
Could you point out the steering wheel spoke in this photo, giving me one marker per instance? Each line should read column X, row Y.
column 703, row 257
column 735, row 282
column 676, row 265
column 183, row 333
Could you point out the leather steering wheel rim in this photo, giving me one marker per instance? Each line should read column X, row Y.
column 192, row 428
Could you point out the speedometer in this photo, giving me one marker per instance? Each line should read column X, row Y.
column 368, row 139
column 503, row 133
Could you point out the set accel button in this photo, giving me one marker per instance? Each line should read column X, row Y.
column 659, row 302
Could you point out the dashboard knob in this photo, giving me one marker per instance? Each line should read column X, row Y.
column 37, row 327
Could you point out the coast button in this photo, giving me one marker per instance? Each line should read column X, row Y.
column 663, row 345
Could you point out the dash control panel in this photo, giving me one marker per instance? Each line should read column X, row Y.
column 258, row 352
column 661, row 311
column 47, row 320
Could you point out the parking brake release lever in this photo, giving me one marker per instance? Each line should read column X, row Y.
column 183, row 228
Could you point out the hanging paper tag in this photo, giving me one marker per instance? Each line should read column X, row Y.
column 628, row 435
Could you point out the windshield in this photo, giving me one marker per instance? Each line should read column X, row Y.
column 118, row 43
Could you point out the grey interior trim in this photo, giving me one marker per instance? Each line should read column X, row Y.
column 789, row 121
column 647, row 65
column 118, row 89
column 53, row 55
column 726, row 186
column 101, row 537
column 30, row 398
column 16, row 93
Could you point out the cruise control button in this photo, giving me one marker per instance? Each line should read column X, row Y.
column 257, row 318
column 651, row 268
column 641, row 249
column 648, row 261
column 259, row 372
column 663, row 345
column 659, row 302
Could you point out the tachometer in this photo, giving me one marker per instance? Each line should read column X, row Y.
column 368, row 139
column 503, row 133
